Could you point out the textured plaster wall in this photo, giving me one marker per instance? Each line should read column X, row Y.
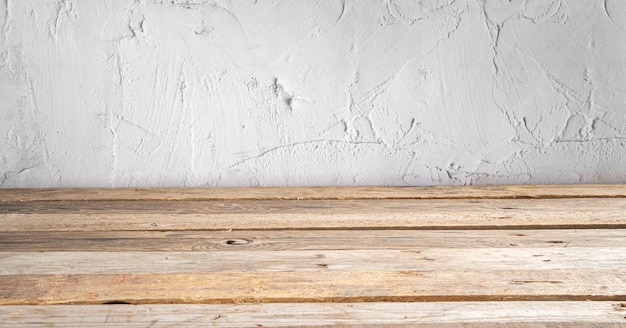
column 328, row 92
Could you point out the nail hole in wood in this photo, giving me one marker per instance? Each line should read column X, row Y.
column 238, row 241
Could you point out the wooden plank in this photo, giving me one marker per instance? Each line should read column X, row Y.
column 450, row 314
column 358, row 206
column 264, row 193
column 315, row 286
column 282, row 240
column 315, row 214
column 610, row 259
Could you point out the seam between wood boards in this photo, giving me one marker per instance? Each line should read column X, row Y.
column 404, row 228
column 321, row 198
column 620, row 299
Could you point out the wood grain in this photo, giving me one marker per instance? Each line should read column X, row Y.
column 316, row 286
column 427, row 259
column 303, row 193
column 422, row 314
column 314, row 214
column 294, row 240
column 359, row 206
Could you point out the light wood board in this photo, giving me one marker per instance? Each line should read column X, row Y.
column 611, row 259
column 566, row 213
column 302, row 193
column 294, row 240
column 423, row 314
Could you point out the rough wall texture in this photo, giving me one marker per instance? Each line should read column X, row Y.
column 328, row 92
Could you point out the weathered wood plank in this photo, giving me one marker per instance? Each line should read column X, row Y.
column 283, row 240
column 314, row 214
column 359, row 206
column 429, row 259
column 450, row 314
column 316, row 286
column 263, row 193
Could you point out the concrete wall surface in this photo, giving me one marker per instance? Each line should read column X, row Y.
column 329, row 92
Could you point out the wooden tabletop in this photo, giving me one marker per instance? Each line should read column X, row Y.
column 543, row 256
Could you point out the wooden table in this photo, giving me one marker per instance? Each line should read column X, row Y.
column 514, row 256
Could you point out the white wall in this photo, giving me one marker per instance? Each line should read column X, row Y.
column 303, row 92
